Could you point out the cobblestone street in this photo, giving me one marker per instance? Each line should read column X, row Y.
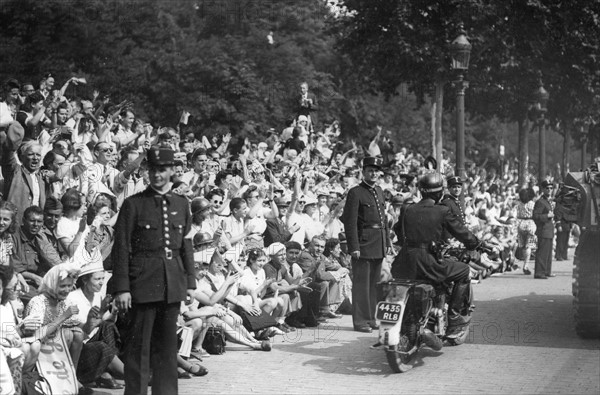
column 522, row 341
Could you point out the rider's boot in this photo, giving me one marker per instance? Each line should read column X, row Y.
column 458, row 314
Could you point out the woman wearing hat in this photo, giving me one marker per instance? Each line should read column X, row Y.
column 102, row 340
column 52, row 312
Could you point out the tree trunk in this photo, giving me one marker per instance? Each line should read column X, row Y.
column 439, row 111
column 523, row 152
column 566, row 150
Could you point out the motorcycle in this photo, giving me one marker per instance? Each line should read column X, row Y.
column 414, row 313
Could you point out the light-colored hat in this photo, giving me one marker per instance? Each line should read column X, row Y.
column 274, row 248
column 310, row 199
column 93, row 266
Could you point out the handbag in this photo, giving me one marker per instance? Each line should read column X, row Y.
column 257, row 322
column 214, row 340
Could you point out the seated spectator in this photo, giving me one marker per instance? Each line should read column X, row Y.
column 8, row 225
column 338, row 264
column 254, row 285
column 102, row 341
column 211, row 292
column 33, row 253
column 313, row 264
column 20, row 355
column 52, row 312
column 286, row 281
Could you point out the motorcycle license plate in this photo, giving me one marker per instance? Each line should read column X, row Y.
column 388, row 311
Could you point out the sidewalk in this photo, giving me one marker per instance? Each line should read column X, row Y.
column 522, row 341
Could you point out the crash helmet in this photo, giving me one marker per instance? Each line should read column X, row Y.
column 431, row 185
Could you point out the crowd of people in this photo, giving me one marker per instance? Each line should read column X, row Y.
column 264, row 226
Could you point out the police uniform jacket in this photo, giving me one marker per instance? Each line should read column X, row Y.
column 365, row 222
column 419, row 225
column 456, row 208
column 545, row 225
column 151, row 257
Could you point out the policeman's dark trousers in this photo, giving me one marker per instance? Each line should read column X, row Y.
column 562, row 245
column 543, row 257
column 152, row 341
column 366, row 273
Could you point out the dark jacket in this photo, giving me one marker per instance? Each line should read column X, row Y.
column 36, row 255
column 276, row 232
column 545, row 225
column 17, row 184
column 419, row 225
column 314, row 267
column 148, row 224
column 365, row 222
column 456, row 207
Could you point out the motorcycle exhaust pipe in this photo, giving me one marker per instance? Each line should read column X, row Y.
column 431, row 340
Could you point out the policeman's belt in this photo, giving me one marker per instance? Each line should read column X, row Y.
column 162, row 253
column 412, row 244
column 376, row 226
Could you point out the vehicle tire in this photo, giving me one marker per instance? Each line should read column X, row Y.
column 586, row 285
column 408, row 339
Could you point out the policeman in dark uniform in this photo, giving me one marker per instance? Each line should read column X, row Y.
column 153, row 270
column 543, row 216
column 368, row 241
column 454, row 201
column 422, row 224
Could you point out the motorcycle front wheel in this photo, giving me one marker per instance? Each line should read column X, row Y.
column 396, row 357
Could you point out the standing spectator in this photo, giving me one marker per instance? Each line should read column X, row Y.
column 125, row 135
column 563, row 231
column 70, row 228
column 277, row 229
column 23, row 184
column 33, row 116
column 543, row 212
column 307, row 105
column 368, row 241
column 525, row 227
column 153, row 268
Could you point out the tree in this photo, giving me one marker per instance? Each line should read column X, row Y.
column 513, row 41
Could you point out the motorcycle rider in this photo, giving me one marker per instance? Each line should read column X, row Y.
column 420, row 227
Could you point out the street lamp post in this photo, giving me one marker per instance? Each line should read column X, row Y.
column 541, row 96
column 460, row 51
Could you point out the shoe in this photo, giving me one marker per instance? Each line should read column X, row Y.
column 265, row 345
column 541, row 277
column 276, row 330
column 263, row 334
column 374, row 325
column 551, row 275
column 329, row 314
column 184, row 375
column 197, row 370
column 321, row 319
column 526, row 271
column 296, row 324
column 108, row 383
column 286, row 328
column 364, row 328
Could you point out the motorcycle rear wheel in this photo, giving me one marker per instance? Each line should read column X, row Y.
column 408, row 339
